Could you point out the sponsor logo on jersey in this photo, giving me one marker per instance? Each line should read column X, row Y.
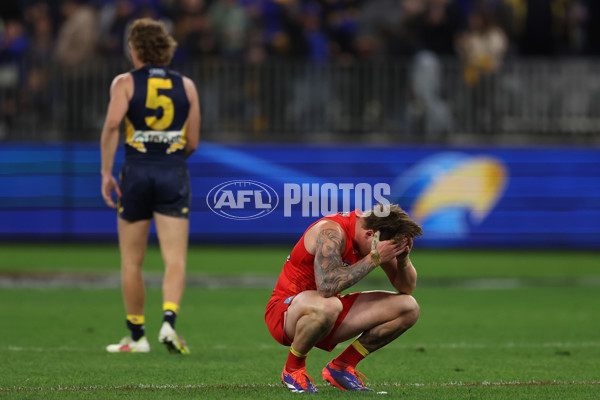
column 166, row 137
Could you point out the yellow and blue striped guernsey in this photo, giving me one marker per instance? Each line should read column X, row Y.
column 156, row 121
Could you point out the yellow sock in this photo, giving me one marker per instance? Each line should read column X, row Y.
column 135, row 323
column 360, row 348
column 297, row 353
column 136, row 319
column 170, row 311
column 351, row 355
column 170, row 306
column 295, row 361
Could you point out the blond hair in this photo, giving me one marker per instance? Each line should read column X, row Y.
column 392, row 221
column 151, row 42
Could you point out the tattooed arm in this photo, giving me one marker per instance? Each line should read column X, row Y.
column 330, row 274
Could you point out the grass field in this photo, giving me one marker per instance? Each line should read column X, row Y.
column 494, row 325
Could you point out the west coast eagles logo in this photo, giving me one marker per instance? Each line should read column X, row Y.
column 450, row 194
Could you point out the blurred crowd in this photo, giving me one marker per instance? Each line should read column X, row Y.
column 480, row 34
column 76, row 31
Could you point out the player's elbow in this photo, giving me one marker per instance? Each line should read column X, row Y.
column 406, row 287
column 406, row 290
column 325, row 291
column 111, row 126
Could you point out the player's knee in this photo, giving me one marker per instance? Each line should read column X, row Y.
column 131, row 269
column 409, row 311
column 326, row 311
column 175, row 266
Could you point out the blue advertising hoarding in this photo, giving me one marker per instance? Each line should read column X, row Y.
column 463, row 197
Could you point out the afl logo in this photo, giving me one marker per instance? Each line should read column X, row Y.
column 242, row 199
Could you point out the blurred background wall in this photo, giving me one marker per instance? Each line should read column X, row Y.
column 429, row 86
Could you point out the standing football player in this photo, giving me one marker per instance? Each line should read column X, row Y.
column 162, row 128
column 307, row 308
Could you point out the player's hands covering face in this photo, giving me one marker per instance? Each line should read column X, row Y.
column 389, row 249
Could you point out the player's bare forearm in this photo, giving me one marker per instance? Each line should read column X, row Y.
column 336, row 280
column 331, row 275
column 407, row 277
column 108, row 147
column 402, row 274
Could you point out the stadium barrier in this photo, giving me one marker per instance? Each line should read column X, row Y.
column 420, row 100
column 463, row 197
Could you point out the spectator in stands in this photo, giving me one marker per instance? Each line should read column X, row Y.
column 117, row 17
column 576, row 27
column 284, row 31
column 76, row 52
column 77, row 36
column 14, row 42
column 35, row 100
column 192, row 30
column 437, row 26
column 428, row 113
column 482, row 48
column 376, row 17
column 504, row 16
column 13, row 48
column 229, row 25
column 340, row 19
column 312, row 99
column 41, row 28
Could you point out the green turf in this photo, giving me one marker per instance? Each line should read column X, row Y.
column 470, row 342
column 464, row 336
column 236, row 260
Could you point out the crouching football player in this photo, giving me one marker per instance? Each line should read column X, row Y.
column 307, row 308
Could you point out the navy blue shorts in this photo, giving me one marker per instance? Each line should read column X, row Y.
column 154, row 187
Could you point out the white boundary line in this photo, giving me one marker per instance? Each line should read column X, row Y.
column 270, row 385
column 460, row 345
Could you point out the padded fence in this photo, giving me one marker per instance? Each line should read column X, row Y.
column 463, row 197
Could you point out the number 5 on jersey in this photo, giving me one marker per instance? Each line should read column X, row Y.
column 155, row 100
